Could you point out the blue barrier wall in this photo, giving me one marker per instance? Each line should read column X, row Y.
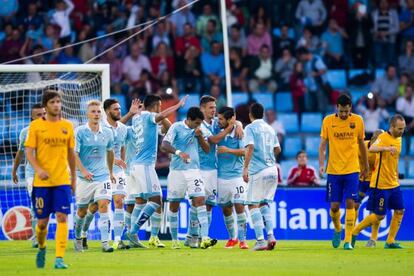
column 298, row 214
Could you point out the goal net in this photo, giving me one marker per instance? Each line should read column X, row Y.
column 21, row 87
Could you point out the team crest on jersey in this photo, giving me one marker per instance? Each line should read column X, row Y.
column 352, row 125
column 103, row 192
column 64, row 130
column 236, row 196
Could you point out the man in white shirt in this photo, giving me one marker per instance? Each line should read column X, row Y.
column 134, row 64
column 405, row 106
column 61, row 17
column 262, row 69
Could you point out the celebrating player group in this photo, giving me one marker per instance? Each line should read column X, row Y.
column 213, row 161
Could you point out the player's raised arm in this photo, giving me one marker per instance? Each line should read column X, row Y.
column 135, row 109
column 165, row 113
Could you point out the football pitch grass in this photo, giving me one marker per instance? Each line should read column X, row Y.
column 289, row 258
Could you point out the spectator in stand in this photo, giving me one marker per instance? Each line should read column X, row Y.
column 68, row 56
column 190, row 71
column 215, row 91
column 211, row 34
column 167, row 84
column 404, row 82
column 188, row 39
column 315, row 81
column 162, row 60
column 144, row 85
column 405, row 106
column 213, row 66
column 360, row 37
column 257, row 39
column 181, row 19
column 283, row 41
column 238, row 69
column 115, row 66
column 298, row 88
column 310, row 41
column 372, row 112
column 161, row 34
column 271, row 119
column 386, row 87
column 284, row 68
column 311, row 13
column 61, row 18
column 133, row 65
column 406, row 60
column 386, row 27
column 260, row 17
column 10, row 48
column 332, row 41
column 407, row 22
column 86, row 50
column 237, row 38
column 32, row 21
column 203, row 19
column 339, row 11
column 302, row 175
column 261, row 69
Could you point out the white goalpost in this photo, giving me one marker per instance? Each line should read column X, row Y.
column 22, row 86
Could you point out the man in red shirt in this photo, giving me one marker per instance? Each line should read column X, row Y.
column 302, row 175
column 187, row 40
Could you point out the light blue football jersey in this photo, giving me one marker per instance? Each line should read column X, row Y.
column 181, row 137
column 130, row 151
column 119, row 133
column 92, row 149
column 230, row 166
column 146, row 142
column 264, row 139
column 28, row 169
column 208, row 161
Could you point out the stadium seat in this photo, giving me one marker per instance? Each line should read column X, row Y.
column 312, row 145
column 355, row 72
column 404, row 146
column 357, row 93
column 311, row 122
column 314, row 163
column 239, row 98
column 121, row 99
column 291, row 146
column 286, row 165
column 337, row 78
column 379, row 73
column 411, row 169
column 401, row 167
column 289, row 121
column 411, row 148
column 284, row 102
column 265, row 99
column 192, row 100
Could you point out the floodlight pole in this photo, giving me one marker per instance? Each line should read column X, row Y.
column 226, row 52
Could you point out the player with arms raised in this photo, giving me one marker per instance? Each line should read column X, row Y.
column 386, row 193
column 37, row 112
column 260, row 172
column 50, row 150
column 94, row 160
column 344, row 133
column 143, row 174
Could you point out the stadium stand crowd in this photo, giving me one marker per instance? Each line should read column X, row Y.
column 296, row 65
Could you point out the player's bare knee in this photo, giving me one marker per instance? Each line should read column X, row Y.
column 103, row 206
column 93, row 208
column 140, row 200
column 42, row 223
column 198, row 201
column 335, row 207
column 253, row 207
column 156, row 199
column 399, row 212
column 60, row 217
column 209, row 207
column 81, row 212
column 174, row 206
column 129, row 208
column 239, row 208
column 227, row 211
column 119, row 202
column 350, row 203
